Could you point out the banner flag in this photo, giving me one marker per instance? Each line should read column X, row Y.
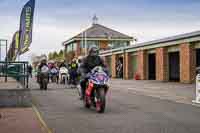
column 26, row 25
column 14, row 47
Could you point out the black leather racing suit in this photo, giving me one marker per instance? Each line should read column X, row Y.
column 39, row 71
column 87, row 65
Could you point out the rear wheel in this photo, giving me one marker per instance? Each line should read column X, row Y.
column 41, row 86
column 64, row 80
column 45, row 85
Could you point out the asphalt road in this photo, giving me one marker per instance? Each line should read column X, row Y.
column 125, row 113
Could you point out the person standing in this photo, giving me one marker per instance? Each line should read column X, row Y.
column 73, row 72
column 30, row 69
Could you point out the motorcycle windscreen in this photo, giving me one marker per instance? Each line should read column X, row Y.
column 101, row 78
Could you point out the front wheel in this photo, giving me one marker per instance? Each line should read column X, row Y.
column 101, row 101
column 41, row 86
column 45, row 85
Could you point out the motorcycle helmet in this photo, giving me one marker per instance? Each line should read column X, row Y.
column 93, row 51
column 44, row 61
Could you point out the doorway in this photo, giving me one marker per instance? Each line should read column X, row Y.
column 152, row 66
column 120, row 67
column 197, row 57
column 174, row 66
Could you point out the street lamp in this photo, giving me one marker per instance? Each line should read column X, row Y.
column 124, row 60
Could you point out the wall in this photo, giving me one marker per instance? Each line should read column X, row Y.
column 103, row 45
column 161, row 64
column 187, row 63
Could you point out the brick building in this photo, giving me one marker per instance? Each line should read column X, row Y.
column 169, row 59
column 104, row 38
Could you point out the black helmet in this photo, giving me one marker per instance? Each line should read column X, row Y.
column 93, row 51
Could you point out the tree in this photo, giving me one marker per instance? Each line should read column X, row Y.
column 50, row 56
column 61, row 54
column 55, row 55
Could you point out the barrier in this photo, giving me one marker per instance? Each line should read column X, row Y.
column 197, row 98
column 17, row 70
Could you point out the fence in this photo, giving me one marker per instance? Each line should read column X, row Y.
column 17, row 70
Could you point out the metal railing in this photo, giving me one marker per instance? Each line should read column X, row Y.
column 17, row 70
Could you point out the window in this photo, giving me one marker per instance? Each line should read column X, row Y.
column 92, row 43
column 89, row 44
column 74, row 46
column 82, row 44
column 117, row 44
column 69, row 48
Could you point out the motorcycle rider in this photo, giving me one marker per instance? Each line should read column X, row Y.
column 62, row 64
column 54, row 72
column 73, row 71
column 89, row 62
column 42, row 63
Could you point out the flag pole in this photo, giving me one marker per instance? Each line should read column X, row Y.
column 85, row 43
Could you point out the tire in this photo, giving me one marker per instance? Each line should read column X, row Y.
column 102, row 99
column 63, row 80
column 41, row 87
column 45, row 86
column 39, row 82
column 45, row 83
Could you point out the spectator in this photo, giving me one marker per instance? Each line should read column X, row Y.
column 30, row 69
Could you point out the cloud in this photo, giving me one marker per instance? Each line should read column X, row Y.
column 56, row 22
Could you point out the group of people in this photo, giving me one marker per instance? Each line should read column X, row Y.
column 82, row 67
column 55, row 70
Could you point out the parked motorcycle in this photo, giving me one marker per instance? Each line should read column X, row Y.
column 97, row 88
column 43, row 78
column 54, row 75
column 63, row 75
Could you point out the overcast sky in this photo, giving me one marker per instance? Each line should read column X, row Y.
column 57, row 20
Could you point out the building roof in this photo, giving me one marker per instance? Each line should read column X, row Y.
column 173, row 40
column 169, row 39
column 98, row 31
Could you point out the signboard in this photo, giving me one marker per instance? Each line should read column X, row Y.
column 26, row 24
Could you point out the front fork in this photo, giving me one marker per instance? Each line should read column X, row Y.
column 98, row 93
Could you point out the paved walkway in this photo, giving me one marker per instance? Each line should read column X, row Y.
column 11, row 84
column 178, row 92
column 129, row 109
column 173, row 91
column 19, row 120
column 126, row 111
column 16, row 113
